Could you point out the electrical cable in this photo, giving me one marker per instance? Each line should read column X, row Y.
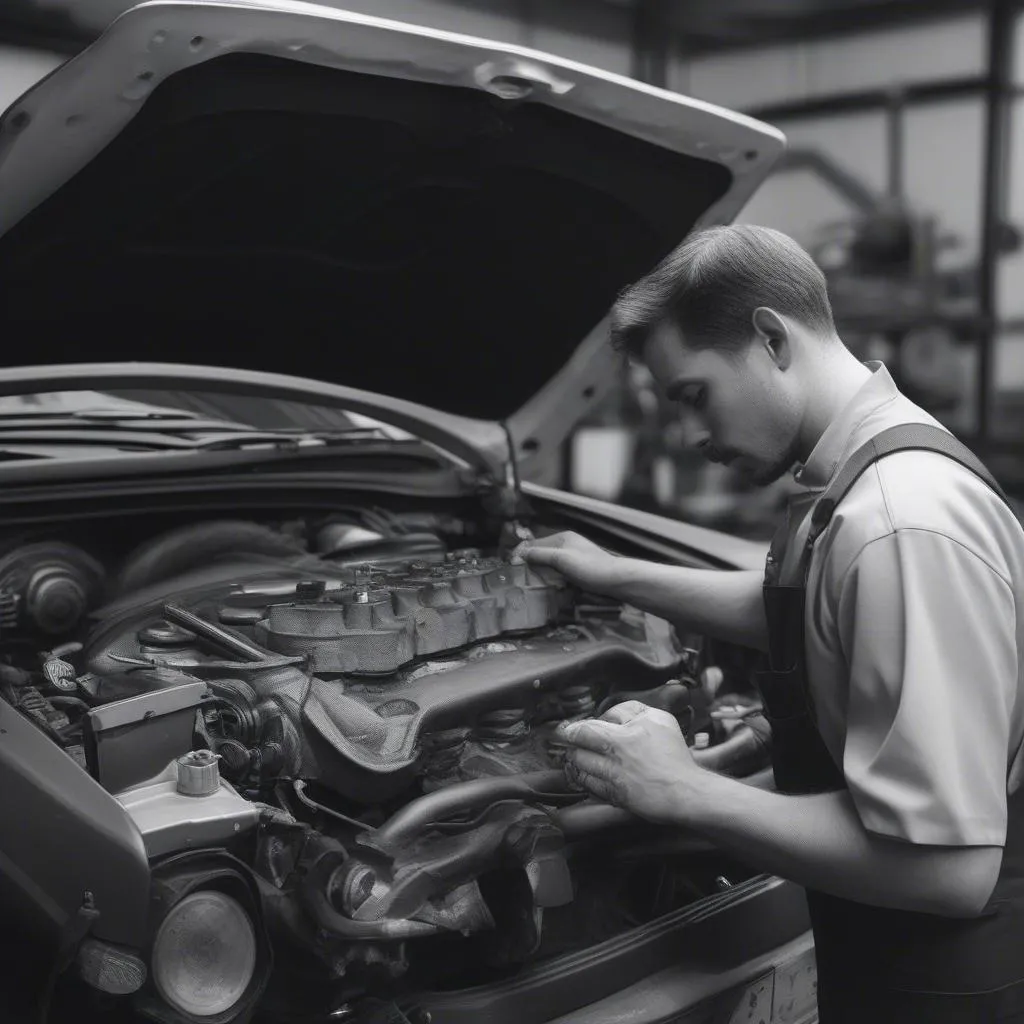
column 299, row 786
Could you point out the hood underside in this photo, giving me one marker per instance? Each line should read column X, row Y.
column 429, row 241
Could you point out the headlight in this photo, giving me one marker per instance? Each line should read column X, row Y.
column 204, row 954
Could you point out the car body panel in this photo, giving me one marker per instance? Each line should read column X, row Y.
column 619, row 149
column 716, row 549
column 66, row 837
column 696, row 958
column 631, row 151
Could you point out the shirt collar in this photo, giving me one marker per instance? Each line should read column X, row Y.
column 833, row 443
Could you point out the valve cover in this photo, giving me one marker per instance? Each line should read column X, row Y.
column 384, row 619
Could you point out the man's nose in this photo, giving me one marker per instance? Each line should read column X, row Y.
column 695, row 433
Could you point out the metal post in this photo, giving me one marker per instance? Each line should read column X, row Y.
column 894, row 125
column 650, row 45
column 1001, row 15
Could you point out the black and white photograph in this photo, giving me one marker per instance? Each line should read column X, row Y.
column 512, row 512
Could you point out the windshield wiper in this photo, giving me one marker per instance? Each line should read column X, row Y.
column 158, row 428
column 171, row 424
column 222, row 438
column 298, row 438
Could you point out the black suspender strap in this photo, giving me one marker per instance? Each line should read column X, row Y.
column 905, row 437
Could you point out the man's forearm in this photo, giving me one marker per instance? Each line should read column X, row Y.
column 726, row 605
column 819, row 842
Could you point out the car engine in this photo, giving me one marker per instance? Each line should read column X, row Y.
column 365, row 708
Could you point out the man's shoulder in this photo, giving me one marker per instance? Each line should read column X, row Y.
column 915, row 489
column 925, row 491
column 929, row 490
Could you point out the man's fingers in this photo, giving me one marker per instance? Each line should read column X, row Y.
column 596, row 785
column 586, row 762
column 556, row 540
column 542, row 556
column 542, row 550
column 590, row 735
column 572, row 774
column 553, row 540
column 625, row 712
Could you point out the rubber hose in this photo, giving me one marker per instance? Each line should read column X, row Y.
column 536, row 787
column 191, row 546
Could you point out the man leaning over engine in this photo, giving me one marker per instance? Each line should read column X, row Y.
column 893, row 636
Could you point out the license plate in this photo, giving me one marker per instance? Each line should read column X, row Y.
column 795, row 999
column 788, row 994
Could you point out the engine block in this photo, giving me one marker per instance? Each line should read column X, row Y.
column 370, row 674
column 382, row 619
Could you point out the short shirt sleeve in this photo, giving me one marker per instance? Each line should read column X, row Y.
column 929, row 633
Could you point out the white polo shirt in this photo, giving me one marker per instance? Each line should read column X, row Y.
column 914, row 631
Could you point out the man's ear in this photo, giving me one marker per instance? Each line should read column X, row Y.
column 773, row 333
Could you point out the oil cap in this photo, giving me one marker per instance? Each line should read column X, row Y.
column 198, row 774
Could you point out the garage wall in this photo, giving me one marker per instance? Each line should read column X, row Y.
column 1009, row 362
column 941, row 147
column 948, row 48
column 946, row 136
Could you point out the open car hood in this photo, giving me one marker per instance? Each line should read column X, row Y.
column 288, row 188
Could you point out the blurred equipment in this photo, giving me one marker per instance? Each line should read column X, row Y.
column 898, row 290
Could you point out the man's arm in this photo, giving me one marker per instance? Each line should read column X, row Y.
column 819, row 842
column 636, row 757
column 726, row 605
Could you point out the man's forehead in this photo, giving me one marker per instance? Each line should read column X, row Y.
column 666, row 334
column 668, row 356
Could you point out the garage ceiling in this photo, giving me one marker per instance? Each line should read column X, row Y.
column 700, row 25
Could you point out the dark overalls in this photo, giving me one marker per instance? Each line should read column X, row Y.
column 876, row 965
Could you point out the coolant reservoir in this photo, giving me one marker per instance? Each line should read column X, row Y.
column 198, row 774
column 188, row 806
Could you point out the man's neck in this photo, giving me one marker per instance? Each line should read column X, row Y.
column 834, row 378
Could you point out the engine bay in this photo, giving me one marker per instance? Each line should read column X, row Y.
column 377, row 694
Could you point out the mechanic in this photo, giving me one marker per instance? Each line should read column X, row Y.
column 892, row 621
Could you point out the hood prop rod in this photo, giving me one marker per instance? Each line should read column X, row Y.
column 512, row 504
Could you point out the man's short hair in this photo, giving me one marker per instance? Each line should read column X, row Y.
column 710, row 285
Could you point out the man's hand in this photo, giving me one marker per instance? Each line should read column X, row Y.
column 633, row 756
column 636, row 757
column 579, row 560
